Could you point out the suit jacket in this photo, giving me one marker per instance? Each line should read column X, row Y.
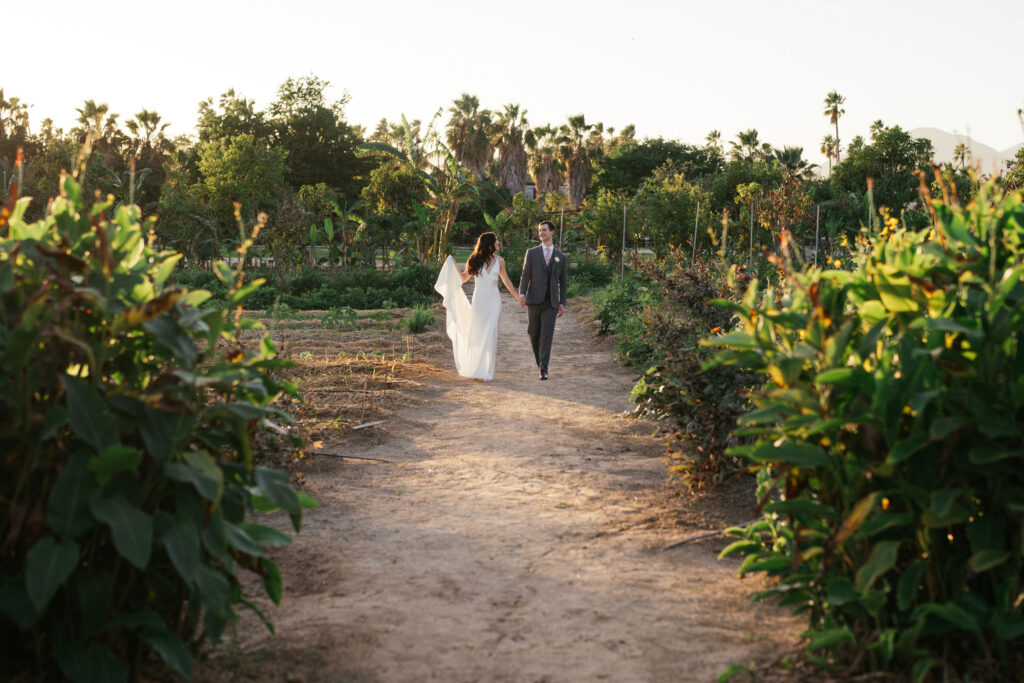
column 543, row 282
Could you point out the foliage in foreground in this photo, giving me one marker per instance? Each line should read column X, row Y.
column 126, row 422
column 888, row 444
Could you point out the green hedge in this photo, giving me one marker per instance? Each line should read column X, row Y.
column 321, row 289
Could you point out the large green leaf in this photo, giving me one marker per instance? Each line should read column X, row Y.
column 131, row 528
column 798, row 454
column 214, row 590
column 1008, row 626
column 168, row 333
column 164, row 431
column 272, row 580
column 909, row 584
column 830, row 638
column 92, row 663
column 47, row 566
column 171, row 649
column 278, row 489
column 881, row 560
column 239, row 539
column 987, row 559
column 113, row 461
column 946, row 507
column 951, row 613
column 201, row 471
column 801, row 507
column 904, row 448
column 90, row 418
column 181, row 541
column 265, row 535
column 67, row 510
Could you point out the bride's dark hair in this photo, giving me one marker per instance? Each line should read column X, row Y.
column 482, row 254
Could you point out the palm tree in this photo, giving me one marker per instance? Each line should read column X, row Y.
column 624, row 136
column 582, row 144
column 13, row 117
column 877, row 127
column 746, row 147
column 91, row 114
column 833, row 110
column 960, row 154
column 714, row 140
column 828, row 148
column 792, row 159
column 856, row 145
column 508, row 140
column 147, row 129
column 545, row 166
column 469, row 134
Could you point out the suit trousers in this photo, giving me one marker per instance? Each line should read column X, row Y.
column 541, row 328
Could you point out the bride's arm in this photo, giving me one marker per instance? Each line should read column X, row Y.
column 504, row 278
column 464, row 273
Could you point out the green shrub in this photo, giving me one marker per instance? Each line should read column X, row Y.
column 419, row 319
column 129, row 478
column 418, row 278
column 315, row 289
column 585, row 276
column 889, row 446
column 619, row 300
column 698, row 407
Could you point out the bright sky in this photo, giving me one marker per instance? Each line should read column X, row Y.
column 674, row 69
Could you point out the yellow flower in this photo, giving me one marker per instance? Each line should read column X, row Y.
column 837, row 263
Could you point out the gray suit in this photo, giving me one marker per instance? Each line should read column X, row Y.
column 543, row 285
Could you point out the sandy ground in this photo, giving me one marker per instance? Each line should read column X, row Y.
column 516, row 535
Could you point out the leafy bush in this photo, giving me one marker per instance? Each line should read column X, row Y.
column 888, row 444
column 585, row 276
column 418, row 320
column 617, row 301
column 127, row 429
column 699, row 406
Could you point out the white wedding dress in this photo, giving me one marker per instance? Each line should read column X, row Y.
column 473, row 327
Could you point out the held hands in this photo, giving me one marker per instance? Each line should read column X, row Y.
column 521, row 299
column 561, row 310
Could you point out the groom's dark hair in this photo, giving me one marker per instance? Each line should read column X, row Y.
column 551, row 226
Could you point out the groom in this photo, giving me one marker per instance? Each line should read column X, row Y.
column 542, row 286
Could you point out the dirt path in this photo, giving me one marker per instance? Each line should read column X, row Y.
column 515, row 537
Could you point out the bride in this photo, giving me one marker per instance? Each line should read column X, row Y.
column 473, row 327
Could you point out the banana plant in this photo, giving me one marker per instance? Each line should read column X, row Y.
column 448, row 184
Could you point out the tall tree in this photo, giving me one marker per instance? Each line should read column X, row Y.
column 509, row 130
column 320, row 143
column 877, row 127
column 746, row 147
column 148, row 129
column 469, row 134
column 792, row 160
column 545, row 164
column 828, row 148
column 232, row 115
column 714, row 140
column 583, row 145
column 834, row 109
column 960, row 155
column 856, row 144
